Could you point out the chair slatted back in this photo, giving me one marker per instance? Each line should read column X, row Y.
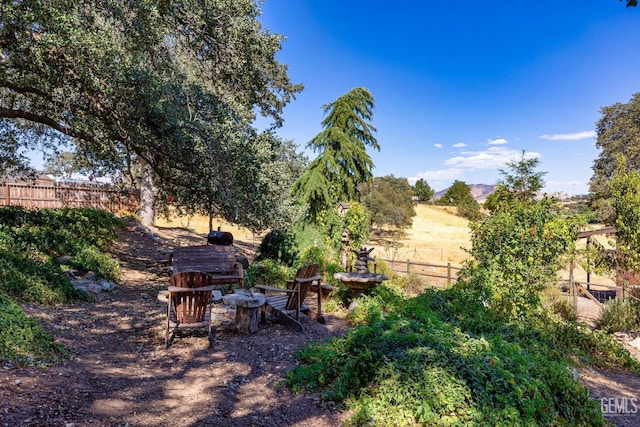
column 190, row 305
column 302, row 280
column 191, row 279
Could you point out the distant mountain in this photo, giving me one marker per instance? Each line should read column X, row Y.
column 478, row 191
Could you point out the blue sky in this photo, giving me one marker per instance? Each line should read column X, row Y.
column 462, row 87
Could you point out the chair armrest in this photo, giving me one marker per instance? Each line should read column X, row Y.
column 317, row 277
column 178, row 289
column 274, row 289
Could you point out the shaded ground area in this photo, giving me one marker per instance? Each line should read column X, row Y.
column 120, row 373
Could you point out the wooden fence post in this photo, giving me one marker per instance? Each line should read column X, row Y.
column 408, row 266
column 448, row 273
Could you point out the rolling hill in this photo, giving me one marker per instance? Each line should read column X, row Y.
column 478, row 191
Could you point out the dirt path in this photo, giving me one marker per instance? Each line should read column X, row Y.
column 122, row 375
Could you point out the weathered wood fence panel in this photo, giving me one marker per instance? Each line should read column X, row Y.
column 447, row 272
column 45, row 193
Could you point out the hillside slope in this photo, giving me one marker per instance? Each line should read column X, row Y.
column 437, row 235
column 480, row 192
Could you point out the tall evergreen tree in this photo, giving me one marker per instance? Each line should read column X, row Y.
column 521, row 179
column 343, row 162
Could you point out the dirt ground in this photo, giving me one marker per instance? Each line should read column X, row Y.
column 121, row 375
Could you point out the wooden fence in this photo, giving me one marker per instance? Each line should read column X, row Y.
column 47, row 193
column 446, row 272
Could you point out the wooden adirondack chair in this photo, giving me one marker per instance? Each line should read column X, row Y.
column 289, row 305
column 189, row 303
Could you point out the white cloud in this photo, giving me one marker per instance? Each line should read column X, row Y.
column 577, row 136
column 439, row 175
column 459, row 145
column 498, row 141
column 437, row 145
column 492, row 158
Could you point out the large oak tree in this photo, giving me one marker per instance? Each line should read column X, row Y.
column 618, row 134
column 388, row 201
column 172, row 85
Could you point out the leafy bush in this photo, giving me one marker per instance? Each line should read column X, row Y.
column 102, row 264
column 516, row 254
column 564, row 309
column 270, row 272
column 30, row 277
column 443, row 358
column 128, row 215
column 619, row 315
column 412, row 283
column 30, row 243
column 277, row 245
column 60, row 231
column 312, row 255
column 22, row 340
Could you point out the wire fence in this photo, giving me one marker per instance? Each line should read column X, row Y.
column 444, row 274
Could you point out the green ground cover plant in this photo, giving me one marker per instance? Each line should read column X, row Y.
column 31, row 244
column 22, row 339
column 444, row 358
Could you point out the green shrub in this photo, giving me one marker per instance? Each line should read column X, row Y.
column 277, row 245
column 312, row 255
column 30, row 243
column 412, row 283
column 619, row 315
column 29, row 277
column 103, row 265
column 381, row 267
column 444, row 358
column 516, row 254
column 332, row 305
column 564, row 309
column 270, row 272
column 22, row 340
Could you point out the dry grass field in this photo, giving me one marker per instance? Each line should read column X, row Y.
column 200, row 225
column 437, row 236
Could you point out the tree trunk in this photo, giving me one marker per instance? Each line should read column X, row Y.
column 247, row 320
column 147, row 195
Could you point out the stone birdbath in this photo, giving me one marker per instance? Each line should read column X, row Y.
column 361, row 279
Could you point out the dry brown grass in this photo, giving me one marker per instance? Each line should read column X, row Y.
column 200, row 225
column 437, row 235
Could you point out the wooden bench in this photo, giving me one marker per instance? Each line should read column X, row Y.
column 219, row 261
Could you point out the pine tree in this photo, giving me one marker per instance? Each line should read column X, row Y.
column 343, row 162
